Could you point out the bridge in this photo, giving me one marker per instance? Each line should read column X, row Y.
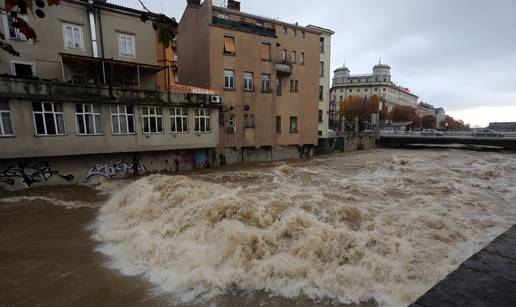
column 407, row 138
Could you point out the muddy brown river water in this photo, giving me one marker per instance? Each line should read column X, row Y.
column 369, row 228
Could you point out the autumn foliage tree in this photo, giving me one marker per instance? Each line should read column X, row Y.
column 451, row 123
column 428, row 122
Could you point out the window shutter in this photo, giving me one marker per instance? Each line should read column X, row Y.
column 229, row 44
column 266, row 51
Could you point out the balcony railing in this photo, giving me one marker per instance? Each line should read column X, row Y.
column 243, row 26
column 283, row 67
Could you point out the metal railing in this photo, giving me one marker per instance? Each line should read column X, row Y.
column 442, row 134
column 242, row 26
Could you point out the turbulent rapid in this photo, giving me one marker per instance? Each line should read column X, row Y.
column 380, row 226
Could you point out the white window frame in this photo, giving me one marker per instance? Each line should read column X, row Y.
column 94, row 115
column 249, row 121
column 248, row 81
column 229, row 79
column 121, row 112
column 54, row 113
column 81, row 38
column 13, row 69
column 133, row 45
column 155, row 116
column 178, row 119
column 2, row 127
column 202, row 115
column 19, row 36
column 266, row 83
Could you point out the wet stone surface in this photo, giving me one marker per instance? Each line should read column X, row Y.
column 488, row 278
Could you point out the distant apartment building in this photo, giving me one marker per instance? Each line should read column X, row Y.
column 324, row 80
column 269, row 73
column 91, row 85
column 378, row 83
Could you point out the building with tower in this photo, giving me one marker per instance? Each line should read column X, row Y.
column 379, row 83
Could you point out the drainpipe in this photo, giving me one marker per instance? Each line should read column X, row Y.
column 93, row 30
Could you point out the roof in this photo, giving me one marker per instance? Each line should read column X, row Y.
column 381, row 66
column 267, row 19
column 321, row 29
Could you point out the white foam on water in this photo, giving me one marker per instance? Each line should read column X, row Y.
column 347, row 229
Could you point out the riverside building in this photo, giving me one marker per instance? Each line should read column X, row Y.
column 378, row 83
column 269, row 72
column 94, row 98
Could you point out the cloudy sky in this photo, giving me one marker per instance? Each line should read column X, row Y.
column 458, row 54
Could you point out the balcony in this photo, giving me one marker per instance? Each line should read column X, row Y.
column 243, row 26
column 283, row 68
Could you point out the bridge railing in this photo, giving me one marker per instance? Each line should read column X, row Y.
column 441, row 133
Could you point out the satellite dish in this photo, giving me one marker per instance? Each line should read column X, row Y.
column 247, row 107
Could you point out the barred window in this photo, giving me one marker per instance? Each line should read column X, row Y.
column 249, row 121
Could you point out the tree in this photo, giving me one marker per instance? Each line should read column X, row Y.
column 451, row 124
column 428, row 122
column 404, row 114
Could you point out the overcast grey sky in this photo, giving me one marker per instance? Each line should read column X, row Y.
column 458, row 54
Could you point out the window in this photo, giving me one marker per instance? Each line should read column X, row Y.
column 294, row 32
column 259, row 23
column 266, row 51
column 321, row 69
column 294, row 55
column 366, row 89
column 229, row 79
column 232, row 120
column 303, row 34
column 48, row 118
column 266, row 83
column 358, row 90
column 320, row 116
column 229, row 45
column 285, row 30
column 89, row 119
column 248, row 81
column 302, row 58
column 152, row 119
column 351, row 90
column 293, row 124
column 384, row 89
column 14, row 32
column 294, row 85
column 179, row 120
column 122, row 119
column 6, row 124
column 72, row 36
column 248, row 120
column 223, row 16
column 321, row 92
column 278, row 124
column 376, row 89
column 126, row 45
column 321, row 44
column 284, row 54
column 278, row 87
column 22, row 69
column 202, row 120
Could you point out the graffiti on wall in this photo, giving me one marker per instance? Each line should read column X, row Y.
column 29, row 173
column 116, row 170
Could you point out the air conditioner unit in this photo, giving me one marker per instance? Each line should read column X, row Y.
column 217, row 99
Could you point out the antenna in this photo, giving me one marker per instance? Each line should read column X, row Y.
column 162, row 12
column 380, row 61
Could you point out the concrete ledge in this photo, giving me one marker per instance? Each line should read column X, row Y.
column 488, row 278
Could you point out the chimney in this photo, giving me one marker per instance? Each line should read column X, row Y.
column 234, row 5
column 193, row 3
